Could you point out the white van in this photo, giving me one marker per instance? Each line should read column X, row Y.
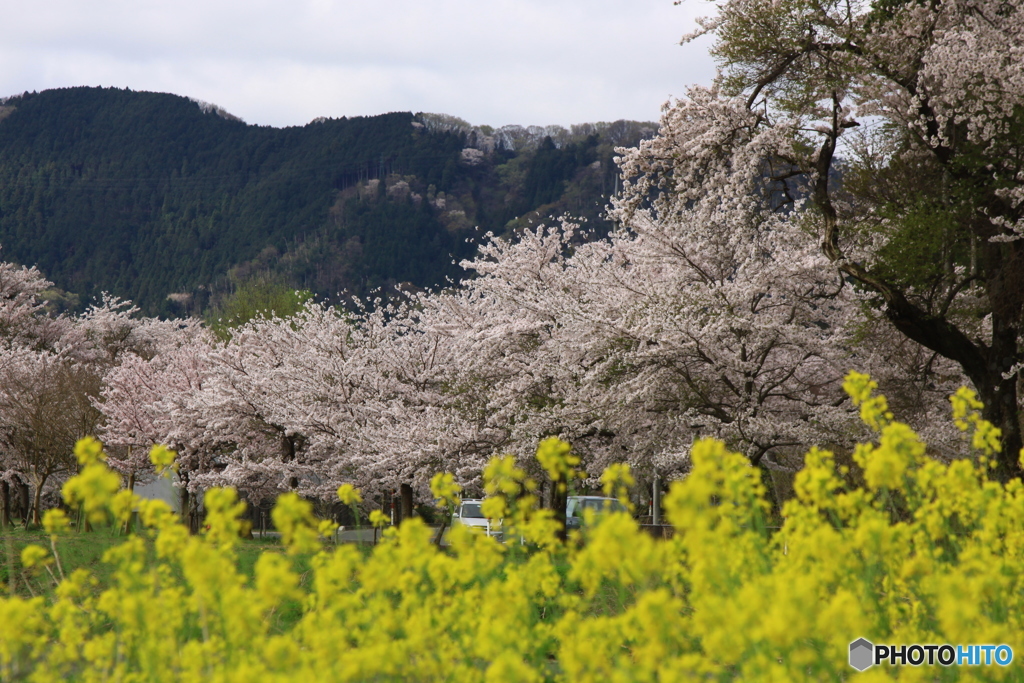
column 469, row 514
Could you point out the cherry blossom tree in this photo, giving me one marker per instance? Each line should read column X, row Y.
column 48, row 378
column 147, row 392
column 22, row 317
column 637, row 344
column 256, row 404
column 44, row 409
column 937, row 180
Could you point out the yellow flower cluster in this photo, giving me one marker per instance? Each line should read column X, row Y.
column 557, row 459
column 922, row 553
column 967, row 415
column 349, row 494
column 163, row 460
column 616, row 481
column 96, row 485
column 445, row 489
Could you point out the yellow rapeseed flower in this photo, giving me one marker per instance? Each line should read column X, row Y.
column 55, row 521
column 163, row 459
column 349, row 494
column 923, row 551
column 378, row 518
column 557, row 459
column 35, row 555
column 445, row 490
column 89, row 451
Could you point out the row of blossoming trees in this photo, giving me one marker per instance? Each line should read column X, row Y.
column 769, row 240
column 628, row 347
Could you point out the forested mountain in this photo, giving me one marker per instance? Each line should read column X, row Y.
column 165, row 200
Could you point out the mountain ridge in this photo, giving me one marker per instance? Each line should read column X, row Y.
column 148, row 195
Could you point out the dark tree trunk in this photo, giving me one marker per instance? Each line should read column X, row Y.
column 5, row 504
column 1000, row 398
column 185, row 503
column 405, row 511
column 37, row 502
column 559, row 498
column 129, row 525
column 248, row 520
column 288, row 455
column 1000, row 395
column 23, row 506
column 984, row 366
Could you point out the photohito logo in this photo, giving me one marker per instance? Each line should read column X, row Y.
column 865, row 654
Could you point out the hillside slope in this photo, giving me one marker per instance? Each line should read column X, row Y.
column 147, row 195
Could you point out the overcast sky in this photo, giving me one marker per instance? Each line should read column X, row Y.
column 281, row 63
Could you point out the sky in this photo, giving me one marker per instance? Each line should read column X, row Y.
column 493, row 62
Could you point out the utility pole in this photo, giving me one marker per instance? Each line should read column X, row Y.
column 656, row 501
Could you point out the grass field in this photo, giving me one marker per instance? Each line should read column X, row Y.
column 85, row 550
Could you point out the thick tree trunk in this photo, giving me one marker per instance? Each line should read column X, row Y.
column 186, row 505
column 5, row 505
column 984, row 367
column 1001, row 406
column 288, row 455
column 37, row 501
column 559, row 499
column 23, row 498
column 1000, row 398
column 405, row 512
column 247, row 519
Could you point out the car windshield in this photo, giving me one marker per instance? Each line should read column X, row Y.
column 601, row 504
column 471, row 510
